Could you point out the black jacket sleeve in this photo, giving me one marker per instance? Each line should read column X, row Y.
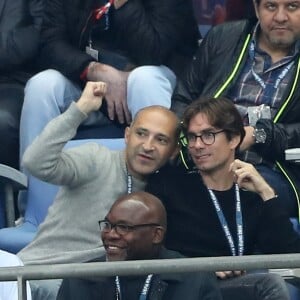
column 156, row 29
column 280, row 136
column 19, row 36
column 275, row 232
column 150, row 31
column 58, row 50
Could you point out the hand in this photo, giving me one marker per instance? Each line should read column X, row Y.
column 119, row 3
column 91, row 97
column 248, row 140
column 229, row 274
column 248, row 178
column 116, row 95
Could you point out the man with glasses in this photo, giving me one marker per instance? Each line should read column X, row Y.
column 134, row 229
column 222, row 206
column 91, row 177
column 256, row 63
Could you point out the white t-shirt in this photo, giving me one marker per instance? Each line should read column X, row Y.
column 9, row 289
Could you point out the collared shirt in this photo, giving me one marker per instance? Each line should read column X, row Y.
column 247, row 91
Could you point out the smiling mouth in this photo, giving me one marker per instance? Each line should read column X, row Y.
column 202, row 156
column 113, row 251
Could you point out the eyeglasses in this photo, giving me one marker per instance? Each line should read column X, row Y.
column 207, row 137
column 122, row 229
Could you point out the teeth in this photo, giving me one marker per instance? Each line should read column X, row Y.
column 113, row 247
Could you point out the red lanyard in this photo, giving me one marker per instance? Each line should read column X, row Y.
column 99, row 12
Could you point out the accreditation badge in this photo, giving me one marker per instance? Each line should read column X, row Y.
column 92, row 52
column 258, row 112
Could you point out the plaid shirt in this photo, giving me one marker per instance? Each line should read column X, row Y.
column 248, row 91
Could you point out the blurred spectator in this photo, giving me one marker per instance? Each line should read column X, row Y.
column 209, row 13
column 9, row 289
column 20, row 23
column 80, row 43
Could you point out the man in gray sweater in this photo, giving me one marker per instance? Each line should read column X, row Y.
column 91, row 177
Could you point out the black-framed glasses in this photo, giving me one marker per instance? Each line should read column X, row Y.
column 207, row 137
column 122, row 229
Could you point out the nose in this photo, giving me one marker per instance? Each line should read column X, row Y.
column 112, row 233
column 280, row 15
column 148, row 144
column 199, row 143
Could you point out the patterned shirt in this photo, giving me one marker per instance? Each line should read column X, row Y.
column 261, row 81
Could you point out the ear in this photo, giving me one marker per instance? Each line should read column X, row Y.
column 127, row 134
column 175, row 152
column 234, row 142
column 159, row 235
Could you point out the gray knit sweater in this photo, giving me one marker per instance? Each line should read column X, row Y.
column 91, row 177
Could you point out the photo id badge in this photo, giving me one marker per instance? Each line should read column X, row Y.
column 258, row 112
column 92, row 52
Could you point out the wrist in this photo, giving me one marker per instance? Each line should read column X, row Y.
column 267, row 193
column 90, row 74
column 82, row 106
column 259, row 135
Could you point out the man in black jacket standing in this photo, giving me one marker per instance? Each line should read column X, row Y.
column 100, row 40
column 256, row 65
column 134, row 229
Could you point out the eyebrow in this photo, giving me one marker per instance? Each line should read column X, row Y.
column 118, row 222
column 156, row 134
column 209, row 129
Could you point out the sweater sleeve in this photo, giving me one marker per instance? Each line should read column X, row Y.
column 276, row 233
column 46, row 159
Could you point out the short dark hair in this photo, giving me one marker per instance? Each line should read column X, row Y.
column 220, row 112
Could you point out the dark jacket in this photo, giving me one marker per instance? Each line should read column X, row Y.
column 145, row 31
column 214, row 71
column 188, row 286
column 20, row 23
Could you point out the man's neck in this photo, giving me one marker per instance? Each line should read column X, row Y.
column 276, row 53
column 221, row 180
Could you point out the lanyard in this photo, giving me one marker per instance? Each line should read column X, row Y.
column 144, row 292
column 268, row 87
column 129, row 183
column 94, row 16
column 239, row 221
column 98, row 13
